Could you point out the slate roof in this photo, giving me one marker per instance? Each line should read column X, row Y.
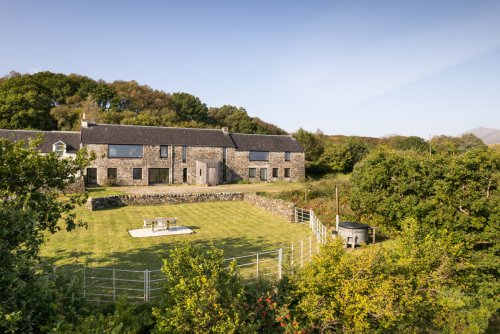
column 271, row 143
column 153, row 135
column 70, row 138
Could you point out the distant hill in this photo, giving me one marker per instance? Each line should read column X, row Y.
column 488, row 136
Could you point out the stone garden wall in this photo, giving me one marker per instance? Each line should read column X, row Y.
column 101, row 203
column 278, row 207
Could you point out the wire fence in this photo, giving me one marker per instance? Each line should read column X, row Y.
column 102, row 285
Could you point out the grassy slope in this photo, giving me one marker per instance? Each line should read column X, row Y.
column 237, row 227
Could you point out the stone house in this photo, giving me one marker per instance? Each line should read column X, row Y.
column 149, row 155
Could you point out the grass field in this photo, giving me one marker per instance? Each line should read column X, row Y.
column 237, row 227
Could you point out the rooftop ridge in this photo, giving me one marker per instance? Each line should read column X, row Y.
column 155, row 126
column 41, row 131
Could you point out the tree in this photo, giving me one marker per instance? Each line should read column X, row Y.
column 189, row 108
column 413, row 285
column 341, row 157
column 408, row 143
column 456, row 145
column 203, row 294
column 31, row 205
column 459, row 193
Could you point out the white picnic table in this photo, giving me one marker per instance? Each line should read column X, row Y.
column 160, row 223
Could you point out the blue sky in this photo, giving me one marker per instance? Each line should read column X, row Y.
column 346, row 67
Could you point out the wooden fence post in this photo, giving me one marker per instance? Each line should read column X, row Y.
column 257, row 264
column 84, row 283
column 280, row 261
column 310, row 247
column 291, row 257
column 301, row 253
column 114, row 286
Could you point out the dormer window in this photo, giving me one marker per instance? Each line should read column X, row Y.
column 59, row 148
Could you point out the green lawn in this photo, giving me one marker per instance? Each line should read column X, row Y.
column 237, row 227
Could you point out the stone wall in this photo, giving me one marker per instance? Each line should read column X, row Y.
column 278, row 207
column 101, row 203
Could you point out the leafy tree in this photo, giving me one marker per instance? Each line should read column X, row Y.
column 408, row 143
column 189, row 108
column 456, row 145
column 341, row 157
column 31, row 205
column 25, row 104
column 459, row 193
column 412, row 285
column 203, row 295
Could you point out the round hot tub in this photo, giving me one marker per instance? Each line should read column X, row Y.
column 353, row 233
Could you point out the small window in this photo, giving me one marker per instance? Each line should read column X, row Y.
column 287, row 172
column 59, row 148
column 224, row 154
column 258, row 156
column 184, row 153
column 263, row 174
column 275, row 172
column 287, row 156
column 137, row 173
column 163, row 151
column 251, row 172
column 185, row 175
column 112, row 173
column 200, row 172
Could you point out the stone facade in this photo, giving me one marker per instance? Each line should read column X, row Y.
column 237, row 165
column 278, row 207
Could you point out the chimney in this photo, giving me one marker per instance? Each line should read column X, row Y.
column 225, row 130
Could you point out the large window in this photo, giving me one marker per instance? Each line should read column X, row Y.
column 275, row 172
column 163, row 151
column 137, row 173
column 125, row 151
column 259, row 156
column 158, row 175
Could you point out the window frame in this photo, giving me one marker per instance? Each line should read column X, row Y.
column 111, row 169
column 287, row 173
column 263, row 174
column 110, row 146
column 161, row 155
column 277, row 174
column 288, row 155
column 257, row 158
column 184, row 153
column 250, row 170
column 134, row 175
